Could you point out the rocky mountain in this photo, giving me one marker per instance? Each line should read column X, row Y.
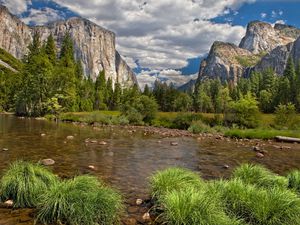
column 264, row 46
column 94, row 45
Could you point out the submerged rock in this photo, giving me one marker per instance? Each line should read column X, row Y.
column 70, row 137
column 259, row 155
column 5, row 149
column 102, row 143
column 139, row 201
column 9, row 203
column 48, row 162
column 174, row 144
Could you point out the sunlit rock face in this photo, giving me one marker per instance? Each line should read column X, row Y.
column 94, row 45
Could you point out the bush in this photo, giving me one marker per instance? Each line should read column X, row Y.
column 24, row 182
column 285, row 116
column 294, row 180
column 259, row 206
column 162, row 122
column 193, row 207
column 199, row 127
column 244, row 112
column 184, row 120
column 82, row 200
column 260, row 176
column 173, row 179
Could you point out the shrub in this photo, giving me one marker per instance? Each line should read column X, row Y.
column 199, row 127
column 260, row 176
column 24, row 182
column 184, row 120
column 193, row 207
column 244, row 112
column 162, row 122
column 260, row 206
column 294, row 180
column 173, row 179
column 82, row 200
column 285, row 116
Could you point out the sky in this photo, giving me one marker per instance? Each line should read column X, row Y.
column 163, row 39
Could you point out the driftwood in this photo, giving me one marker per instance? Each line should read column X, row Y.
column 287, row 139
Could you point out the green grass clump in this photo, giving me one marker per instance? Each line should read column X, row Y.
column 193, row 207
column 294, row 180
column 198, row 127
column 173, row 179
column 260, row 206
column 82, row 200
column 24, row 182
column 260, row 176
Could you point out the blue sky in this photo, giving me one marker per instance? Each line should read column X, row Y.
column 163, row 39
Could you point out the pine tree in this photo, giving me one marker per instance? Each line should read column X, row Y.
column 100, row 92
column 50, row 50
column 117, row 96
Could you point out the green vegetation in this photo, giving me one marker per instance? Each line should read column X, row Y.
column 294, row 180
column 82, row 200
column 250, row 60
column 254, row 196
column 10, row 60
column 25, row 182
column 260, row 176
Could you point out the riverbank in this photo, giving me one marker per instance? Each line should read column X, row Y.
column 183, row 124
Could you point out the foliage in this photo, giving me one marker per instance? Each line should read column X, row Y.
column 82, row 200
column 244, row 112
column 199, row 127
column 194, row 207
column 173, row 179
column 260, row 176
column 25, row 182
column 185, row 120
column 286, row 116
column 294, row 180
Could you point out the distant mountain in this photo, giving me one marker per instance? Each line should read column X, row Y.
column 264, row 46
column 94, row 45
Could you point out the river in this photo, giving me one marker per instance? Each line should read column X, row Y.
column 128, row 158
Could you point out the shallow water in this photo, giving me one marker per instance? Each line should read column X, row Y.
column 128, row 159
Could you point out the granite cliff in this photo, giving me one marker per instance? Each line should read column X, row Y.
column 94, row 45
column 264, row 46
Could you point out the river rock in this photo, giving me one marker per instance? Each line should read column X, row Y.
column 5, row 149
column 43, row 135
column 139, row 201
column 48, row 162
column 102, row 143
column 256, row 148
column 91, row 167
column 226, row 166
column 70, row 137
column 130, row 221
column 9, row 203
column 146, row 217
column 259, row 155
column 174, row 144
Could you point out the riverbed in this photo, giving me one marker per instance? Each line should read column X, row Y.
column 125, row 157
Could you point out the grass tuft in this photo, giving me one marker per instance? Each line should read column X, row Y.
column 294, row 180
column 24, row 182
column 82, row 200
column 260, row 176
column 173, row 179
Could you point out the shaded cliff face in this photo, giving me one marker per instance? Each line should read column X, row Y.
column 224, row 62
column 263, row 46
column 94, row 45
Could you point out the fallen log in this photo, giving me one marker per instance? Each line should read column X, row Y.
column 287, row 139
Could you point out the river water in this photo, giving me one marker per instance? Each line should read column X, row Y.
column 128, row 158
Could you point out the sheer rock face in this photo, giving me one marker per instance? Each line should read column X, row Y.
column 222, row 62
column 94, row 45
column 262, row 36
column 263, row 46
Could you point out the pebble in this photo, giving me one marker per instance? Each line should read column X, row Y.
column 139, row 201
column 102, row 143
column 259, row 155
column 226, row 166
column 91, row 167
column 48, row 162
column 5, row 149
column 146, row 217
column 43, row 135
column 9, row 203
column 174, row 144
column 70, row 137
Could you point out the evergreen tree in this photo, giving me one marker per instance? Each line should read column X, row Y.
column 50, row 50
column 117, row 96
column 100, row 92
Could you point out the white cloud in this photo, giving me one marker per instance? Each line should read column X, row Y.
column 263, row 15
column 168, row 76
column 161, row 33
column 42, row 16
column 17, row 7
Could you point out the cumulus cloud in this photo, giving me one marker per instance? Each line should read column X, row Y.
column 17, row 7
column 167, row 75
column 161, row 34
column 42, row 16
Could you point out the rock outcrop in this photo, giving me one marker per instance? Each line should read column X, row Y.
column 94, row 45
column 223, row 61
column 264, row 46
